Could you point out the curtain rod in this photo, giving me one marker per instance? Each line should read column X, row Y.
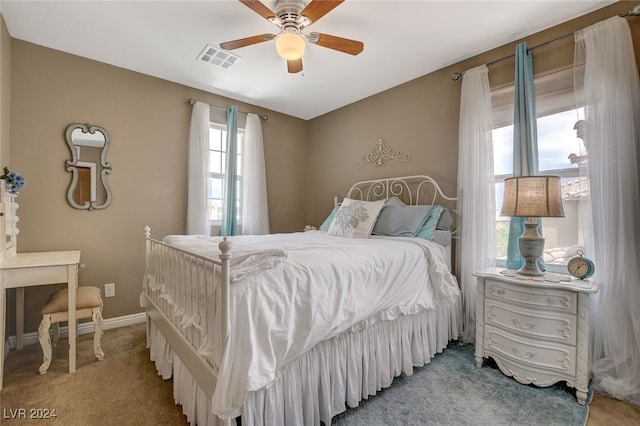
column 458, row 75
column 192, row 101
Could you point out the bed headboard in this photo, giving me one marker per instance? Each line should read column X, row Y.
column 413, row 190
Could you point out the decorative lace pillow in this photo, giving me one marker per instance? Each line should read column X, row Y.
column 355, row 218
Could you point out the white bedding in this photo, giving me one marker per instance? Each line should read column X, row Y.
column 309, row 287
column 248, row 258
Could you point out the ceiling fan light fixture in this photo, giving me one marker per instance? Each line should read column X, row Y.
column 290, row 46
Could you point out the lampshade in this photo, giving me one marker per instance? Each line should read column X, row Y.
column 532, row 196
column 290, row 46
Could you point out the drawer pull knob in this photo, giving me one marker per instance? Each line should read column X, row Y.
column 565, row 329
column 564, row 360
column 523, row 355
column 491, row 340
column 524, row 326
column 564, row 301
column 498, row 291
column 491, row 314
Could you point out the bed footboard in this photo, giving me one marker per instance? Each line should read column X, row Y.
column 186, row 295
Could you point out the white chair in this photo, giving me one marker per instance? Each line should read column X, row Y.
column 88, row 305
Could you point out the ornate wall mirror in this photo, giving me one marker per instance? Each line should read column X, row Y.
column 89, row 189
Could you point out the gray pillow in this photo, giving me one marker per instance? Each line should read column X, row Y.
column 397, row 219
column 445, row 221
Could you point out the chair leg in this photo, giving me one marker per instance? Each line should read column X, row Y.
column 97, row 325
column 56, row 333
column 45, row 343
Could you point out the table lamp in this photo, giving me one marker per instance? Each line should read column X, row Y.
column 532, row 197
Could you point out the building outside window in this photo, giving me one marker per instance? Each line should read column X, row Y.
column 217, row 170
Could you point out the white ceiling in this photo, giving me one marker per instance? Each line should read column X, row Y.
column 403, row 40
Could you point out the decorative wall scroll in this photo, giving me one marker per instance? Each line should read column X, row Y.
column 381, row 154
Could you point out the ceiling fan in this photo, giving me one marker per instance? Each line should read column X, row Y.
column 291, row 17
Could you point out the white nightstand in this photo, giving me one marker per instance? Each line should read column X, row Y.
column 536, row 331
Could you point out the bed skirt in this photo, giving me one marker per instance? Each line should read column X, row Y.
column 336, row 373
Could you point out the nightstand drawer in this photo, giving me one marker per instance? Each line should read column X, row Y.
column 541, row 355
column 550, row 326
column 539, row 299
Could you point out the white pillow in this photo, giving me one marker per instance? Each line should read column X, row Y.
column 355, row 218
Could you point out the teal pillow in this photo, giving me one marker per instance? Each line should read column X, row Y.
column 396, row 219
column 327, row 222
column 429, row 226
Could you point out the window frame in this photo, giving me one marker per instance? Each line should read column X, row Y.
column 555, row 93
column 222, row 128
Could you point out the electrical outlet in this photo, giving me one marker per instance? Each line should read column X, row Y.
column 109, row 290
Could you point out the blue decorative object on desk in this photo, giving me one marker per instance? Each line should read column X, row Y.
column 15, row 181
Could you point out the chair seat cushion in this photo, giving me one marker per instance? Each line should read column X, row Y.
column 86, row 297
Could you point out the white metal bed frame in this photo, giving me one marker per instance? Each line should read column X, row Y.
column 416, row 188
column 411, row 189
column 158, row 311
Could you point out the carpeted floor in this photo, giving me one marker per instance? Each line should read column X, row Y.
column 125, row 389
column 452, row 391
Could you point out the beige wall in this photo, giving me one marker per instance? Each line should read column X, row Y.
column 421, row 118
column 5, row 91
column 147, row 118
column 148, row 122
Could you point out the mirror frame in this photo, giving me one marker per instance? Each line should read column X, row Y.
column 71, row 166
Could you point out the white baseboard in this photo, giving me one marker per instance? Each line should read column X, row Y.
column 83, row 328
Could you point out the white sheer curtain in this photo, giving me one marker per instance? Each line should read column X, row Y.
column 197, row 222
column 612, row 115
column 476, row 247
column 255, row 210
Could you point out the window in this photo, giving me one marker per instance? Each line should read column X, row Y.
column 217, row 169
column 561, row 152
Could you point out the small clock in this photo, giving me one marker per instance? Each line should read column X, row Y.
column 581, row 267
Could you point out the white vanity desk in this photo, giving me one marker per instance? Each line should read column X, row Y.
column 20, row 270
column 33, row 269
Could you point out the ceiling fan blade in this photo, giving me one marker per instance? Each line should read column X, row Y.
column 345, row 45
column 318, row 8
column 259, row 8
column 248, row 41
column 294, row 65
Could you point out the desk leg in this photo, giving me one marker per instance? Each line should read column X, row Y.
column 19, row 317
column 3, row 316
column 72, row 271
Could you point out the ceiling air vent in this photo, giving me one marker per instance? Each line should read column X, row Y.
column 219, row 58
